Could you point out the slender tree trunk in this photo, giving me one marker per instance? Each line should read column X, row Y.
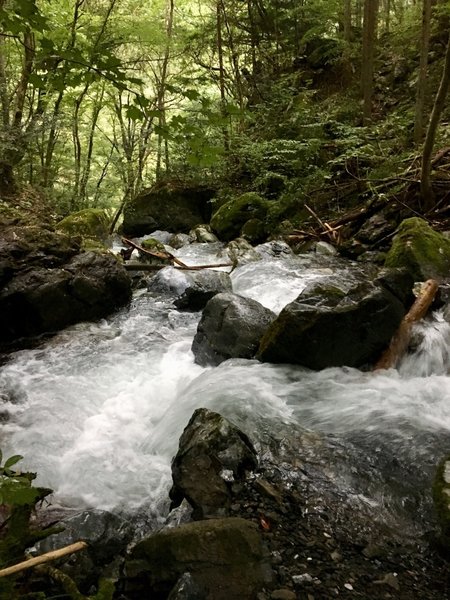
column 368, row 52
column 423, row 72
column 162, row 92
column 97, row 107
column 234, row 58
column 347, row 20
column 226, row 140
column 426, row 189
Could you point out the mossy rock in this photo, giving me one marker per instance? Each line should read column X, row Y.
column 421, row 250
column 91, row 222
column 254, row 231
column 229, row 219
column 441, row 499
column 89, row 244
column 153, row 245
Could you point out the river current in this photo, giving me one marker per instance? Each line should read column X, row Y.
column 98, row 409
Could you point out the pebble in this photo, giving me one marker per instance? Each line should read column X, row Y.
column 283, row 594
column 348, row 586
column 303, row 578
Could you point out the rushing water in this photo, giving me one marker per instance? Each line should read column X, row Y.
column 98, row 410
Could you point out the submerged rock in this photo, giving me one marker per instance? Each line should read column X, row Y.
column 167, row 206
column 212, row 454
column 225, row 559
column 331, row 324
column 231, row 327
column 241, row 252
column 421, row 250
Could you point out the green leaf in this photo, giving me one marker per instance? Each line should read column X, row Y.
column 134, row 113
column 13, row 460
column 37, row 81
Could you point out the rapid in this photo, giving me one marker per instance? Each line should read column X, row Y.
column 97, row 410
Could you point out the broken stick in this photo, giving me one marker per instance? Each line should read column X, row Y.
column 400, row 341
column 44, row 558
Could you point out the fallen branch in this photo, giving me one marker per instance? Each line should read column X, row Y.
column 161, row 255
column 134, row 266
column 400, row 341
column 44, row 558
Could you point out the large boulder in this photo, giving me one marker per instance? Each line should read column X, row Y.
column 421, row 250
column 225, row 559
column 232, row 216
column 167, row 206
column 41, row 300
column 231, row 326
column 332, row 324
column 212, row 454
column 90, row 223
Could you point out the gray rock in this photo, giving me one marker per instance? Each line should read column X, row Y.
column 330, row 325
column 186, row 589
column 204, row 234
column 325, row 249
column 212, row 451
column 224, row 557
column 201, row 287
column 107, row 535
column 179, row 240
column 231, row 326
column 169, row 281
column 274, row 249
column 241, row 252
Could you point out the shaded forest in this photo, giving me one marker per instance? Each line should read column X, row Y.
column 303, row 101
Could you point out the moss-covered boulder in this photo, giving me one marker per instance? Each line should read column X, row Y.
column 169, row 206
column 421, row 250
column 229, row 219
column 225, row 558
column 89, row 223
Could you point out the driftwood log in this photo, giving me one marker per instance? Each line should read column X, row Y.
column 400, row 341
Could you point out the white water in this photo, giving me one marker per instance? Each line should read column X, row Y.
column 99, row 409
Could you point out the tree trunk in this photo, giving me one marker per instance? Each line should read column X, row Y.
column 423, row 72
column 368, row 52
column 347, row 20
column 426, row 190
column 226, row 140
column 162, row 92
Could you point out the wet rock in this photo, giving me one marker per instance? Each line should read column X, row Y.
column 331, row 325
column 186, row 589
column 168, row 281
column 231, row 326
column 107, row 535
column 167, row 206
column 88, row 287
column 212, row 454
column 241, row 252
column 203, row 234
column 224, row 557
column 375, row 229
column 274, row 249
column 325, row 249
column 229, row 219
column 181, row 239
column 420, row 249
column 441, row 499
column 254, row 230
column 201, row 287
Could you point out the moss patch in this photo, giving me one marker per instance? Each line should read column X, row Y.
column 229, row 219
column 91, row 223
column 421, row 250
